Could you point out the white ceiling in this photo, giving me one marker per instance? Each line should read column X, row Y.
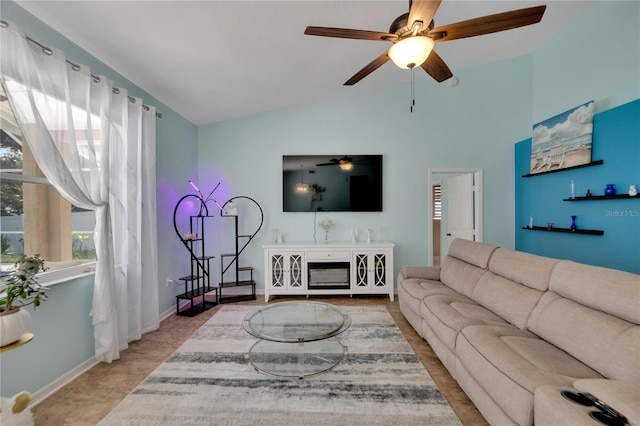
column 217, row 60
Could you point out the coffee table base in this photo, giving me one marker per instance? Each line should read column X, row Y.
column 296, row 360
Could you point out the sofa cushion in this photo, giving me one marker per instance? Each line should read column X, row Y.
column 608, row 344
column 423, row 272
column 510, row 300
column 413, row 290
column 446, row 315
column 525, row 268
column 418, row 289
column 460, row 275
column 607, row 290
column 472, row 252
column 510, row 364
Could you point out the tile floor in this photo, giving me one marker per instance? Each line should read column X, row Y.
column 89, row 398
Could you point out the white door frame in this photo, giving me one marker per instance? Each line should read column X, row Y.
column 477, row 172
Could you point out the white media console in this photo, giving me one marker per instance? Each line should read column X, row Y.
column 328, row 268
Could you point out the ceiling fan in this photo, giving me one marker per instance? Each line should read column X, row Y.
column 413, row 36
column 345, row 163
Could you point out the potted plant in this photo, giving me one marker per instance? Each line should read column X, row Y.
column 317, row 192
column 17, row 290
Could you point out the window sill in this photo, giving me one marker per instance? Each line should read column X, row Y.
column 59, row 272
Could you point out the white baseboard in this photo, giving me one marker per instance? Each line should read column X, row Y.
column 45, row 392
column 48, row 390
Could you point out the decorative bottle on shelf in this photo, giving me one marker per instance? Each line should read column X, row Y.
column 573, row 223
column 573, row 189
column 610, row 189
column 633, row 190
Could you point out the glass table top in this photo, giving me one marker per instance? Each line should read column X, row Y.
column 291, row 322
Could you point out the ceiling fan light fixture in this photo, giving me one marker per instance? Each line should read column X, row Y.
column 346, row 166
column 411, row 51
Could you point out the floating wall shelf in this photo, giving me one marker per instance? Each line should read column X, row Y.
column 566, row 230
column 593, row 163
column 602, row 197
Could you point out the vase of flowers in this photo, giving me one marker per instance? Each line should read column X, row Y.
column 326, row 225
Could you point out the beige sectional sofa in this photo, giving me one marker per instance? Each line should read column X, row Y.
column 516, row 330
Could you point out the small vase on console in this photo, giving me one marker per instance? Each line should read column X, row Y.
column 326, row 225
column 573, row 223
column 610, row 189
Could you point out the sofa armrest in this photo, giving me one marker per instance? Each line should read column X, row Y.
column 622, row 396
column 422, row 272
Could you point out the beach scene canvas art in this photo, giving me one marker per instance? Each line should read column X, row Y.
column 563, row 141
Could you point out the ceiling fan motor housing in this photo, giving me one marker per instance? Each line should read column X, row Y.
column 400, row 28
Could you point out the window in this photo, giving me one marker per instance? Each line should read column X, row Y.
column 34, row 217
column 437, row 201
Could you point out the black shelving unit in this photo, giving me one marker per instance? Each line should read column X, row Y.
column 199, row 292
column 231, row 273
column 565, row 230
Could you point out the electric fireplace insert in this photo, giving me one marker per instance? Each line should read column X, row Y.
column 328, row 275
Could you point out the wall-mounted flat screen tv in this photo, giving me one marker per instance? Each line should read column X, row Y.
column 332, row 183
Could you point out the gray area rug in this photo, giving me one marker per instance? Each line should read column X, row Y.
column 208, row 381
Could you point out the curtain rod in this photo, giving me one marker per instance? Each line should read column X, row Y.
column 48, row 51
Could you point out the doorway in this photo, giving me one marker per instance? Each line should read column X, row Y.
column 454, row 209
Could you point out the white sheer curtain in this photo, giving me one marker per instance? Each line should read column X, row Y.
column 98, row 149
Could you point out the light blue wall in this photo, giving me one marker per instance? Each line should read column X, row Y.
column 474, row 124
column 62, row 325
column 596, row 59
column 471, row 125
column 63, row 339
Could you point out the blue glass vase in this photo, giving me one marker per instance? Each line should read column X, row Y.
column 573, row 223
column 610, row 189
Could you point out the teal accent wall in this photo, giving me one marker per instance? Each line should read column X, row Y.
column 616, row 141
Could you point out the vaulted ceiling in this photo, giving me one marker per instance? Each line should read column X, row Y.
column 217, row 60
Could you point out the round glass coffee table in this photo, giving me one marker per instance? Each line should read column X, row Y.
column 297, row 339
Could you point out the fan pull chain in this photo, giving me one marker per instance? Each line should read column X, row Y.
column 413, row 95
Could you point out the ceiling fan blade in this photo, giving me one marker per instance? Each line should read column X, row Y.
column 350, row 33
column 368, row 69
column 488, row 24
column 436, row 68
column 422, row 10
